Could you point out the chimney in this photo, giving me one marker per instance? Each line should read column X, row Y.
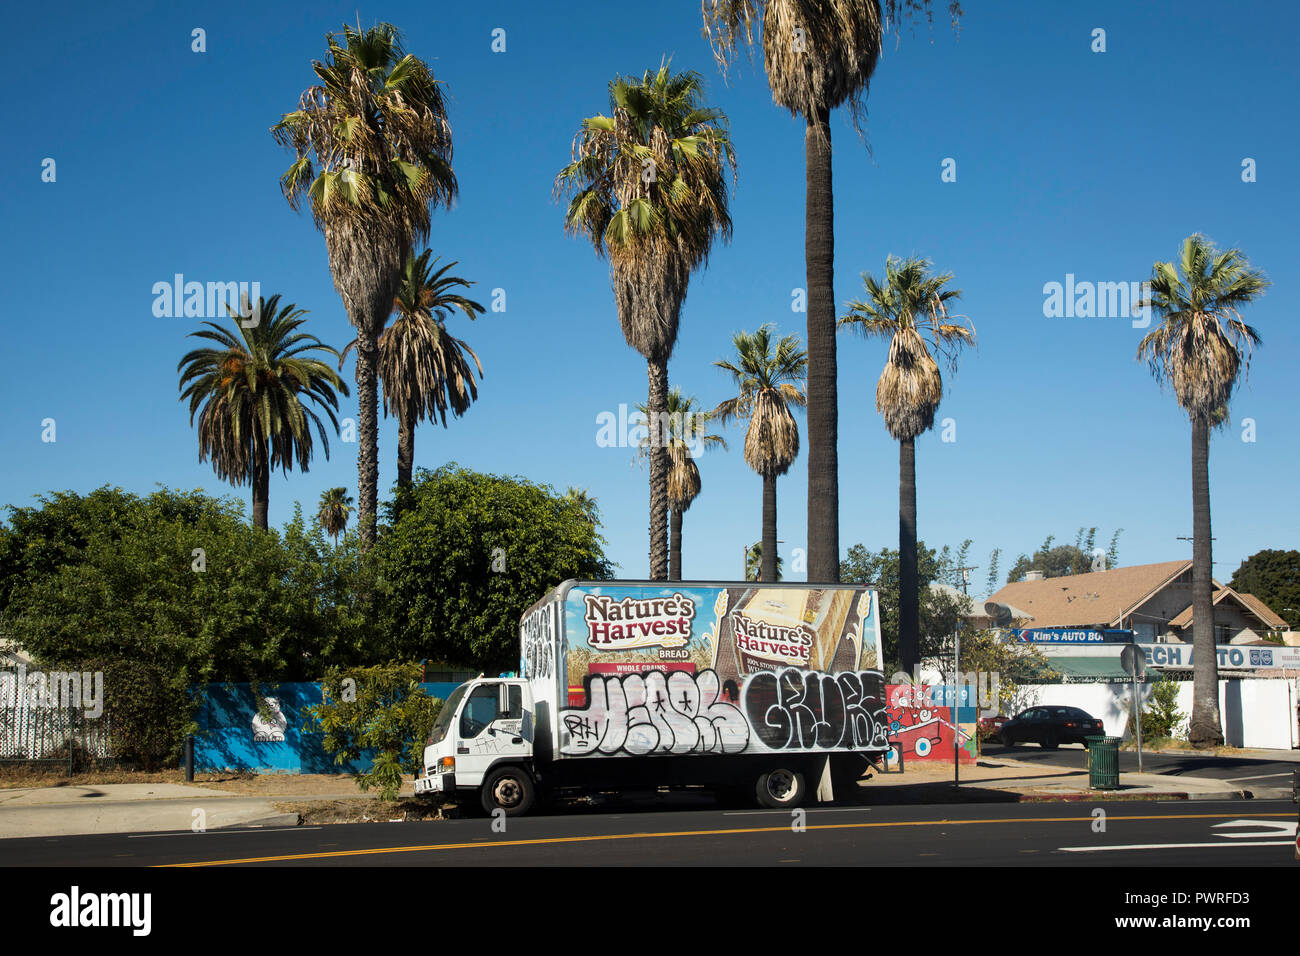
column 1033, row 575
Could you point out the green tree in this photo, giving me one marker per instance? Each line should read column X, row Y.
column 469, row 554
column 381, row 712
column 1055, row 561
column 1017, row 666
column 909, row 308
column 648, row 187
column 373, row 152
column 424, row 369
column 332, row 516
column 939, row 610
column 1202, row 348
column 769, row 377
column 249, row 397
column 818, row 56
column 688, row 435
column 180, row 580
column 1274, row 578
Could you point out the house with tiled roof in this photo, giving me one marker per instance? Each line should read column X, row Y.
column 1152, row 600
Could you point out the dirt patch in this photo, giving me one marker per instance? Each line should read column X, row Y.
column 291, row 784
column 369, row 810
column 25, row 776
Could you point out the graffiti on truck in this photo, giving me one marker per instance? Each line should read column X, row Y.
column 679, row 712
column 537, row 633
column 655, row 712
column 793, row 709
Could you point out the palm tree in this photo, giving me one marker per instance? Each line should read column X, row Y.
column 373, row 152
column 688, row 436
column 647, row 185
column 754, row 562
column 818, row 56
column 423, row 368
column 1202, row 348
column 769, row 383
column 583, row 500
column 909, row 309
column 248, row 395
column 335, row 507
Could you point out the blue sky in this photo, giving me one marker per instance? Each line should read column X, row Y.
column 1068, row 161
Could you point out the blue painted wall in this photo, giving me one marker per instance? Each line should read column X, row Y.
column 225, row 738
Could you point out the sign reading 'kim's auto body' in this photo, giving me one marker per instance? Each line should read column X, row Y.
column 1073, row 635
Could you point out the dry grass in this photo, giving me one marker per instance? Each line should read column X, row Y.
column 373, row 810
column 24, row 776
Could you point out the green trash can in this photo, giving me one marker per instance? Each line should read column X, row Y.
column 1103, row 763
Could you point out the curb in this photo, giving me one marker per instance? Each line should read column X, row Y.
column 1113, row 795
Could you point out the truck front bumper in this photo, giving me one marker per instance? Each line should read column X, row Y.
column 438, row 783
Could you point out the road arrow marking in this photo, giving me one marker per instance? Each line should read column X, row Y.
column 1271, row 828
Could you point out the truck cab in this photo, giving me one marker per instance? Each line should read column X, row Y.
column 482, row 742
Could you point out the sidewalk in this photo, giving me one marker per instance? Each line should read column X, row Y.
column 1002, row 779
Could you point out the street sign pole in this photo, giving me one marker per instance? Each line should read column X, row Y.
column 1134, row 662
column 956, row 701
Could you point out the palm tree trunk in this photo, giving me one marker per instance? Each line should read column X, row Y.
column 909, row 597
column 368, row 428
column 656, row 403
column 768, row 570
column 261, row 481
column 1204, row 729
column 823, row 411
column 675, row 545
column 405, row 449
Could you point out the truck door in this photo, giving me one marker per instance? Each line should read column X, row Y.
column 493, row 724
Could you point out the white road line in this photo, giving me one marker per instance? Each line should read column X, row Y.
column 786, row 813
column 1168, row 846
column 1263, row 776
column 150, row 836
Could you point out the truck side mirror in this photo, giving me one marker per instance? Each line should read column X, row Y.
column 503, row 699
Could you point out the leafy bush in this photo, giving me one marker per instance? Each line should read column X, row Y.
column 1160, row 714
column 382, row 709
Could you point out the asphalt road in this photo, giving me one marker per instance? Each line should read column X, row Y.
column 1244, row 772
column 1162, row 834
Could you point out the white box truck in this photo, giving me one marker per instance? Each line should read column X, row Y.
column 750, row 689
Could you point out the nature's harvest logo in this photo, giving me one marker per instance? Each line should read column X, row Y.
column 773, row 641
column 614, row 625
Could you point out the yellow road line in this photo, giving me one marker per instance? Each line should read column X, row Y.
column 683, row 833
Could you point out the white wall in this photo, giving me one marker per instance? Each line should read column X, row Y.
column 1253, row 713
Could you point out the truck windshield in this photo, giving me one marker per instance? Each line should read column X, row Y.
column 446, row 715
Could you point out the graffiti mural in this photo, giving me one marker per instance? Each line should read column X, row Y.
column 924, row 730
column 677, row 712
column 793, row 709
column 656, row 712
column 537, row 634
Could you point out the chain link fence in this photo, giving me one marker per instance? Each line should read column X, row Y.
column 65, row 735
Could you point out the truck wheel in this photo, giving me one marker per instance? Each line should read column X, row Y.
column 510, row 789
column 781, row 788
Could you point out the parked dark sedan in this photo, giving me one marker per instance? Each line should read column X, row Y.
column 1050, row 727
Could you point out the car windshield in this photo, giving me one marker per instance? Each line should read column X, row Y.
column 445, row 716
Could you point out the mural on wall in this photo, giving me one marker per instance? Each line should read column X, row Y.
column 267, row 731
column 923, row 729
